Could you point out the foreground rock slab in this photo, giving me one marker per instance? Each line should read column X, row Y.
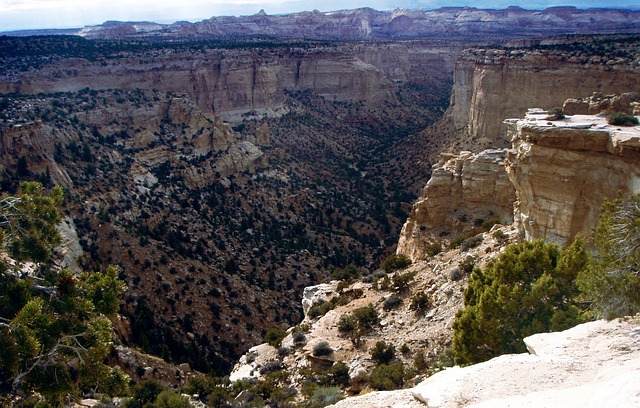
column 595, row 364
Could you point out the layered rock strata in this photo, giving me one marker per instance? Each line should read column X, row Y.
column 243, row 81
column 368, row 24
column 563, row 170
column 493, row 84
column 463, row 188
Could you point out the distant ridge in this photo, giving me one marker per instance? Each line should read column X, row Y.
column 370, row 24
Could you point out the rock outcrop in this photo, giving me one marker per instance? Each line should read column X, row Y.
column 463, row 188
column 593, row 364
column 493, row 84
column 563, row 170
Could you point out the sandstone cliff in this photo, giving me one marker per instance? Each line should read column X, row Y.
column 493, row 84
column 237, row 82
column 463, row 188
column 551, row 182
column 563, row 170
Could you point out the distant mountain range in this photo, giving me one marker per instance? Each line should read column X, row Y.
column 370, row 24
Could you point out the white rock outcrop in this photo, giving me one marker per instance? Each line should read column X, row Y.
column 595, row 364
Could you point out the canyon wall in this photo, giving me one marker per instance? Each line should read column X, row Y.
column 563, row 170
column 491, row 85
column 245, row 80
column 554, row 178
column 463, row 188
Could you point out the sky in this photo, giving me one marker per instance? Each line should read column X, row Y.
column 32, row 14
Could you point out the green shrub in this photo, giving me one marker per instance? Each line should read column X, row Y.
column 499, row 235
column 556, row 113
column 529, row 289
column 337, row 375
column 347, row 323
column 621, row 119
column 358, row 322
column 274, row 336
column 298, row 337
column 321, row 308
column 347, row 273
column 405, row 349
column 392, row 302
column 324, row 396
column 386, row 377
column 401, row 281
column 366, row 316
column 395, row 262
column 471, row 242
column 433, row 248
column 467, row 264
column 455, row 274
column 420, row 302
column 488, row 224
column 170, row 399
column 457, row 240
column 382, row 353
column 420, row 361
column 322, row 348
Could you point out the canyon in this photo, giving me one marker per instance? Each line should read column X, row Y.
column 225, row 177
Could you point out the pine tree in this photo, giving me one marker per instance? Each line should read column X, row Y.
column 529, row 289
column 54, row 326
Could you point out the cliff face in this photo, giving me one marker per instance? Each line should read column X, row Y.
column 554, row 179
column 563, row 170
column 463, row 188
column 491, row 85
column 239, row 81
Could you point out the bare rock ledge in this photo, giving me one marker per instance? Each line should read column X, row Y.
column 595, row 364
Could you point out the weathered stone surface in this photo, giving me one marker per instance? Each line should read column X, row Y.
column 318, row 293
column 491, row 85
column 462, row 188
column 593, row 364
column 563, row 170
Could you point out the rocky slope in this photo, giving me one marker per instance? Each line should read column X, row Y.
column 493, row 84
column 593, row 364
column 426, row 330
column 369, row 24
